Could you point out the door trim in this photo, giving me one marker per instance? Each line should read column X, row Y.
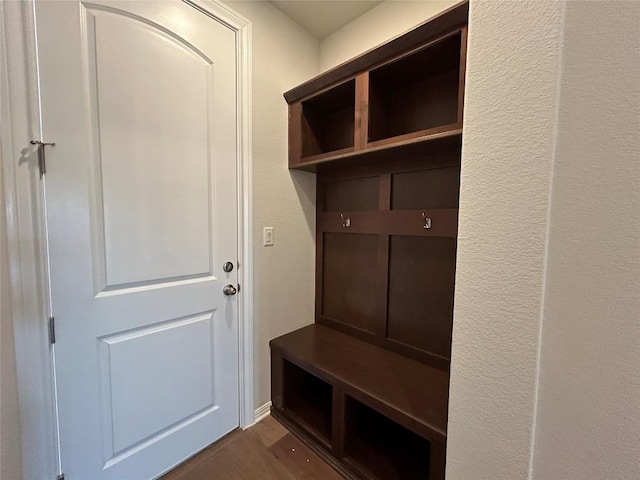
column 23, row 206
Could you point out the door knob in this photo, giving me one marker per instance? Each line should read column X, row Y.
column 229, row 290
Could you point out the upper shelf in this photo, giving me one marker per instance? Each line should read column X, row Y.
column 408, row 95
column 446, row 21
column 448, row 139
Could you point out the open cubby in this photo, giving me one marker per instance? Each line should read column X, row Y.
column 308, row 399
column 381, row 447
column 328, row 120
column 418, row 92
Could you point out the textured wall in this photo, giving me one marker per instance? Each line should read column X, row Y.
column 589, row 396
column 377, row 26
column 512, row 74
column 284, row 55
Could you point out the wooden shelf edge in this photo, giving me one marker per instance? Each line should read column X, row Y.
column 312, row 163
column 419, row 136
column 327, row 155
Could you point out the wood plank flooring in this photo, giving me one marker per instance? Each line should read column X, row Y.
column 266, row 451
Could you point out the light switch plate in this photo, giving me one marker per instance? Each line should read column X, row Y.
column 267, row 236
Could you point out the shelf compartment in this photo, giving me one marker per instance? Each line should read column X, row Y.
column 327, row 121
column 381, row 448
column 450, row 139
column 308, row 401
column 417, row 94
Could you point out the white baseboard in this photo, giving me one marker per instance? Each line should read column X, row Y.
column 262, row 412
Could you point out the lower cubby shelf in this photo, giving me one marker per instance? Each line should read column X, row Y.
column 371, row 413
column 307, row 399
column 380, row 448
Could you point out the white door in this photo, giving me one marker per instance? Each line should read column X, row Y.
column 140, row 99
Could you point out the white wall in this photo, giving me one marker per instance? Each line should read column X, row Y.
column 507, row 158
column 387, row 20
column 589, row 396
column 284, row 55
column 31, row 425
column 10, row 454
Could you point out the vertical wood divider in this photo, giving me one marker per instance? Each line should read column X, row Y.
column 277, row 380
column 338, row 419
column 295, row 133
column 384, row 197
column 463, row 70
column 384, row 204
column 437, row 461
column 361, row 127
column 319, row 245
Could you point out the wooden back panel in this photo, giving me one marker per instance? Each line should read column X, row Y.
column 381, row 276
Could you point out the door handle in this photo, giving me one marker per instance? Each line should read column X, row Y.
column 229, row 290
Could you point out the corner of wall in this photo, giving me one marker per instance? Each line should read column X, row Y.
column 507, row 167
column 379, row 25
column 588, row 419
column 284, row 55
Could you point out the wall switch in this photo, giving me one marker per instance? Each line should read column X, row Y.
column 267, row 236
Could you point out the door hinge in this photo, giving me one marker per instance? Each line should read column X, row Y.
column 42, row 164
column 52, row 335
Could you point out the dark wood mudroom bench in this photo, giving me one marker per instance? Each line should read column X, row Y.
column 367, row 385
column 332, row 388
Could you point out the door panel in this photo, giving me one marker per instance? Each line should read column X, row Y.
column 167, row 235
column 146, row 390
column 140, row 98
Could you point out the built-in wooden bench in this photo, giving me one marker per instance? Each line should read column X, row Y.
column 367, row 385
column 379, row 413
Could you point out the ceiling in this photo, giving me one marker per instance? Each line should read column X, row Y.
column 323, row 17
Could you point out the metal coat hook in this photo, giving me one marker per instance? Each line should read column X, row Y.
column 346, row 222
column 42, row 165
column 427, row 221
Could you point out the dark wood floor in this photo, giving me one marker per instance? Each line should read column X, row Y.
column 266, row 451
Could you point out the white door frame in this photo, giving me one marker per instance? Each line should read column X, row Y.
column 24, row 207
